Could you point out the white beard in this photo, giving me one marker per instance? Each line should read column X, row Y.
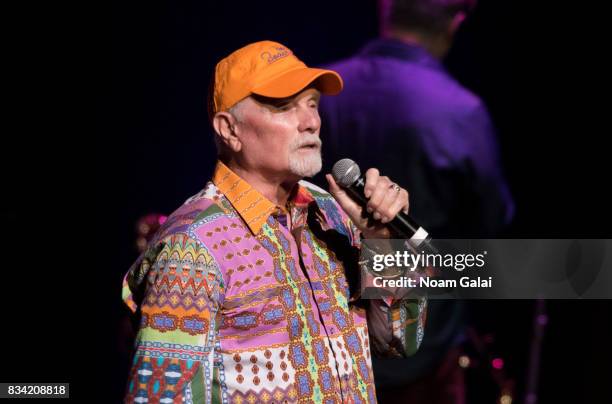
column 305, row 164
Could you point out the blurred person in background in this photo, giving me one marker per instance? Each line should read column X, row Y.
column 403, row 112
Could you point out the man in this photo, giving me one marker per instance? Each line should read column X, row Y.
column 244, row 292
column 437, row 139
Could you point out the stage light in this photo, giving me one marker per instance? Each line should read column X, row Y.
column 497, row 363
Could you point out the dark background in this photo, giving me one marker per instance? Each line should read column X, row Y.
column 143, row 77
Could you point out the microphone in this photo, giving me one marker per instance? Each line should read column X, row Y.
column 347, row 174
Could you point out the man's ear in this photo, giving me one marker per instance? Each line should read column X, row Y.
column 456, row 22
column 227, row 129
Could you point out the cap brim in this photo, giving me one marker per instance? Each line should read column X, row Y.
column 327, row 82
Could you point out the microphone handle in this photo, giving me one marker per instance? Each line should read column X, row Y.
column 402, row 225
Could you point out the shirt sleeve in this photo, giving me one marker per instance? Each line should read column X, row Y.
column 397, row 330
column 396, row 326
column 179, row 287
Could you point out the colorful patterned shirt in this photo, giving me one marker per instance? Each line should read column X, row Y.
column 241, row 304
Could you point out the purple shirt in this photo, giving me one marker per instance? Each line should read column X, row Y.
column 401, row 112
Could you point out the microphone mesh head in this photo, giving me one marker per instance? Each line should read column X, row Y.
column 346, row 172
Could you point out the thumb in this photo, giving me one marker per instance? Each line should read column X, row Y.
column 340, row 195
column 334, row 188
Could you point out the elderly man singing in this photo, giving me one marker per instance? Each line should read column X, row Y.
column 247, row 293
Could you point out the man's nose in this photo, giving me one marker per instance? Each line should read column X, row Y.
column 309, row 120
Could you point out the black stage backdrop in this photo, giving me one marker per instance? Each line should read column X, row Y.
column 540, row 72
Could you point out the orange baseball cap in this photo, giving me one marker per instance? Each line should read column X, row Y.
column 269, row 69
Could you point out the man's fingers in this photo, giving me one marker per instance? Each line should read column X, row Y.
column 378, row 194
column 387, row 200
column 399, row 203
column 386, row 209
column 371, row 178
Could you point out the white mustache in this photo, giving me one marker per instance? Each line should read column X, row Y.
column 303, row 141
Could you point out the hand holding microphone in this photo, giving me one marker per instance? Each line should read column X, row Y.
column 385, row 201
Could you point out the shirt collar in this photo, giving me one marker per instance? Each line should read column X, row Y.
column 252, row 206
